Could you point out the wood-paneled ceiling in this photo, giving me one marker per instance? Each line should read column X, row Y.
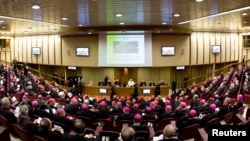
column 17, row 17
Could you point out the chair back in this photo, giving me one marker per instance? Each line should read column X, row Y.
column 123, row 123
column 106, row 124
column 158, row 133
column 89, row 122
column 214, row 121
column 4, row 134
column 163, row 123
column 38, row 138
column 189, row 132
column 228, row 118
column 4, row 122
column 142, row 134
column 22, row 133
column 111, row 135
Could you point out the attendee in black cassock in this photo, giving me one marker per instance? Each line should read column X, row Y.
column 174, row 84
column 106, row 80
column 26, row 69
column 136, row 91
column 185, row 81
column 112, row 93
column 157, row 90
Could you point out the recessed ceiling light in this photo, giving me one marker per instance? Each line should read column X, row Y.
column 164, row 23
column 3, row 27
column 122, row 23
column 35, row 6
column 80, row 25
column 119, row 15
column 176, row 15
column 245, row 22
column 1, row 21
column 89, row 32
column 199, row 0
column 244, row 14
column 64, row 18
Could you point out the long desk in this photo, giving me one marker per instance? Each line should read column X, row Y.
column 124, row 91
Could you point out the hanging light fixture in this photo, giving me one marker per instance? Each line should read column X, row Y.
column 35, row 5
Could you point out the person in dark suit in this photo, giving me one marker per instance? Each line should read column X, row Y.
column 167, row 114
column 78, row 132
column 47, row 132
column 101, row 83
column 112, row 93
column 136, row 91
column 24, row 121
column 147, row 115
column 157, row 90
column 143, row 83
column 239, row 103
column 63, row 118
column 106, row 78
column 85, row 112
column 173, row 82
column 125, row 115
column 225, row 108
column 137, row 126
column 210, row 115
column 5, row 110
column 187, row 120
column 72, row 107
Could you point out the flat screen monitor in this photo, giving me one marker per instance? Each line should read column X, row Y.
column 216, row 49
column 168, row 50
column 146, row 91
column 82, row 51
column 36, row 50
column 102, row 91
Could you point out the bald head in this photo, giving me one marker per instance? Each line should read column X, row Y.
column 128, row 134
column 169, row 131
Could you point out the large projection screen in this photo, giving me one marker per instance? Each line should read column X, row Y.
column 125, row 50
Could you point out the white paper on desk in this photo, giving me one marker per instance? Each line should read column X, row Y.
column 13, row 99
column 39, row 120
column 47, row 110
column 17, row 111
column 156, row 138
column 53, row 110
column 57, row 128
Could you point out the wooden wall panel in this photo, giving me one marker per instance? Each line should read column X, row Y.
column 33, row 44
column 45, row 54
column 223, row 48
column 200, row 48
column 206, row 49
column 232, row 48
column 218, row 42
column 39, row 43
column 193, row 49
column 51, row 53
column 20, row 50
column 228, row 48
column 2, row 53
column 212, row 42
column 29, row 54
column 24, row 48
column 58, row 50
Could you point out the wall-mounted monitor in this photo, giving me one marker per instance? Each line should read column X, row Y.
column 82, row 51
column 102, row 91
column 36, row 50
column 168, row 50
column 146, row 91
column 180, row 68
column 216, row 49
column 71, row 68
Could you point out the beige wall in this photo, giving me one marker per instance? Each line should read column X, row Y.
column 193, row 49
column 181, row 43
column 69, row 45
